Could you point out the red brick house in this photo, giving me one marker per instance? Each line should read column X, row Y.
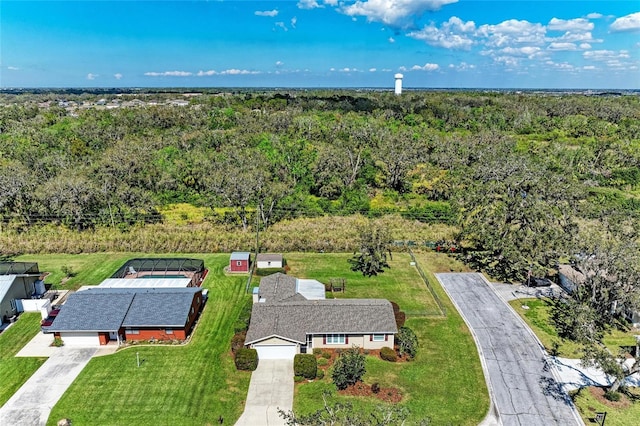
column 99, row 315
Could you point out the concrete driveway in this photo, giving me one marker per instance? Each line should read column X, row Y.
column 522, row 382
column 271, row 387
column 32, row 403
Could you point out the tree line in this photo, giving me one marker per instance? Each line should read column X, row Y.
column 519, row 174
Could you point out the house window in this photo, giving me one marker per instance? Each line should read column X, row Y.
column 335, row 339
column 378, row 337
column 192, row 310
column 238, row 263
column 133, row 331
column 169, row 331
column 13, row 304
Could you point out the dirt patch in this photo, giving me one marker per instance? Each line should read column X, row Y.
column 390, row 395
column 598, row 394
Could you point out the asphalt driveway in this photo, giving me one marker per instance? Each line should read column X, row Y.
column 271, row 387
column 521, row 379
column 32, row 403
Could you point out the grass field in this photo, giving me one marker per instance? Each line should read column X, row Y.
column 537, row 317
column 625, row 413
column 445, row 382
column 184, row 385
column 15, row 371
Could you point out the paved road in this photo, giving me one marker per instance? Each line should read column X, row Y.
column 32, row 403
column 271, row 387
column 522, row 383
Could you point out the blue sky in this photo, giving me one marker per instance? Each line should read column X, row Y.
column 321, row 43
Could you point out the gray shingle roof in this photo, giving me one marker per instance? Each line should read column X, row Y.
column 159, row 310
column 269, row 257
column 294, row 320
column 108, row 309
column 86, row 311
column 277, row 287
column 240, row 255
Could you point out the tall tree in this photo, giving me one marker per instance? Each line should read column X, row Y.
column 375, row 240
column 607, row 290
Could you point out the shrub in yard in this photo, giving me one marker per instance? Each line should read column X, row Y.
column 349, row 368
column 246, row 359
column 305, row 365
column 407, row 342
column 298, row 379
column 326, row 355
column 237, row 341
column 612, row 396
column 400, row 317
column 242, row 324
column 375, row 388
column 388, row 354
column 320, row 374
column 317, row 351
column 57, row 342
column 323, row 361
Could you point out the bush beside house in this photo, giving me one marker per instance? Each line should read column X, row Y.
column 246, row 359
column 305, row 365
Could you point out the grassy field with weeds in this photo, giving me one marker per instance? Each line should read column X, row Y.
column 15, row 371
column 445, row 382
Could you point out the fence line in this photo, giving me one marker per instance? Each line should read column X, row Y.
column 443, row 310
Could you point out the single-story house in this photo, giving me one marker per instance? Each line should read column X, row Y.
column 240, row 261
column 281, row 330
column 97, row 316
column 18, row 280
column 292, row 316
column 269, row 260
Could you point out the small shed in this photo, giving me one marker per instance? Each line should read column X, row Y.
column 269, row 260
column 239, row 261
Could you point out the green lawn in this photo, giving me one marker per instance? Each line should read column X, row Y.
column 445, row 382
column 15, row 371
column 183, row 385
column 588, row 406
column 411, row 296
column 537, row 317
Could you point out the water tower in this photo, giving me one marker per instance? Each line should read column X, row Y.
column 398, row 83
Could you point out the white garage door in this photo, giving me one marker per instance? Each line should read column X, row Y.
column 80, row 339
column 276, row 351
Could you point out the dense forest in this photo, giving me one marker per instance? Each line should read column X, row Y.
column 515, row 178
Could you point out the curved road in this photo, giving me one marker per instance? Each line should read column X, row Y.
column 522, row 383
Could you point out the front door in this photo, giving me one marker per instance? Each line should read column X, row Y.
column 113, row 335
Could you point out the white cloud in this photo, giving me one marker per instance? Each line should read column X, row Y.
column 282, row 25
column 117, row 76
column 571, row 36
column 578, row 24
column 91, row 76
column 347, row 69
column 627, row 23
column 589, row 67
column 594, row 15
column 234, row 71
column 168, row 74
column 206, row 73
column 269, row 13
column 331, row 2
column 605, row 55
column 279, row 63
column 393, row 12
column 425, row 67
column 452, row 34
column 392, row 40
column 562, row 46
column 308, row 4
column 585, row 46
column 513, row 32
column 294, row 21
column 528, row 51
column 13, row 68
column 372, row 70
